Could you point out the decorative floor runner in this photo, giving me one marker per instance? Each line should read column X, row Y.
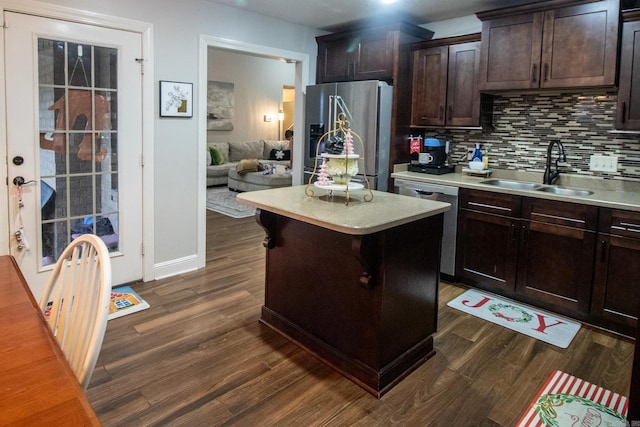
column 222, row 200
column 565, row 400
column 125, row 300
column 535, row 323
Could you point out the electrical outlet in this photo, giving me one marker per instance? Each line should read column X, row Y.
column 470, row 152
column 600, row 163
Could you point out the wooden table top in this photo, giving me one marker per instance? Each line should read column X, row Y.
column 37, row 385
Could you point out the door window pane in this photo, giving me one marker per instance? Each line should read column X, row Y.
column 79, row 64
column 51, row 62
column 78, row 144
column 106, row 72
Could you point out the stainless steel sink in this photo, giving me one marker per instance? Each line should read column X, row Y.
column 513, row 185
column 523, row 185
column 565, row 191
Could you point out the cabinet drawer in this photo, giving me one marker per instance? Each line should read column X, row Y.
column 560, row 213
column 490, row 202
column 620, row 223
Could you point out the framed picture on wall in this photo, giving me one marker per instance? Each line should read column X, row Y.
column 220, row 104
column 176, row 99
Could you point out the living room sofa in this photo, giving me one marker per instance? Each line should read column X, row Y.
column 265, row 151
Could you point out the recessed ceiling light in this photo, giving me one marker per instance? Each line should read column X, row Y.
column 388, row 1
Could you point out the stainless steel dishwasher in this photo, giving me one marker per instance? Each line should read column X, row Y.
column 443, row 193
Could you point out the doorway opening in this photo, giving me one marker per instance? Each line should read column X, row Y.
column 288, row 109
column 300, row 62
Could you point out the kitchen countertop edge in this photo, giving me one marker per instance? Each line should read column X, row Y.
column 385, row 211
column 602, row 197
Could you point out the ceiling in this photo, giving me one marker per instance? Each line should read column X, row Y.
column 332, row 15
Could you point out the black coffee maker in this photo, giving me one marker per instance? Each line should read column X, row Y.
column 432, row 158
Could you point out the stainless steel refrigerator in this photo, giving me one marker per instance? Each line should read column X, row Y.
column 367, row 106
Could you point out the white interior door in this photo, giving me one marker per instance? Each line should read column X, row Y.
column 74, row 136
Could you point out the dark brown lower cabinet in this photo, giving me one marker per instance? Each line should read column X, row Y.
column 487, row 240
column 616, row 287
column 534, row 250
column 487, row 250
column 556, row 255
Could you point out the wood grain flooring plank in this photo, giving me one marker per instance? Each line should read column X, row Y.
column 199, row 357
column 208, row 413
column 518, row 396
column 262, row 388
column 289, row 405
column 119, row 408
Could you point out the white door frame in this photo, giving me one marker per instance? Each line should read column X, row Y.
column 145, row 29
column 301, row 82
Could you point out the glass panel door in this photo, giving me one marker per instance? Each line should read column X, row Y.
column 74, row 136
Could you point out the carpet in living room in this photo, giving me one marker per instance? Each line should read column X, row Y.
column 220, row 199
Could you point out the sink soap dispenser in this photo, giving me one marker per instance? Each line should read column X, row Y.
column 477, row 154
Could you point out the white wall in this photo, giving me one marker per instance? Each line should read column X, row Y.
column 177, row 26
column 258, row 84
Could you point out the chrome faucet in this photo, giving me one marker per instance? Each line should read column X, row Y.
column 550, row 176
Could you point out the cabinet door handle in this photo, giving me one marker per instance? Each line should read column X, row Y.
column 441, row 116
column 450, row 112
column 534, row 71
column 524, row 234
column 624, row 112
column 545, row 72
column 603, row 250
column 514, row 232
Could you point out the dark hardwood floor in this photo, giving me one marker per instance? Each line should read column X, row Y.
column 199, row 357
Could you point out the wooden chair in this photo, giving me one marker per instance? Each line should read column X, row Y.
column 76, row 302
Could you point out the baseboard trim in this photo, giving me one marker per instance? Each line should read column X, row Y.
column 175, row 267
column 376, row 382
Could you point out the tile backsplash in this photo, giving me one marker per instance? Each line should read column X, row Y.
column 524, row 124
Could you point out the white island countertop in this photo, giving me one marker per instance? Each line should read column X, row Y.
column 359, row 217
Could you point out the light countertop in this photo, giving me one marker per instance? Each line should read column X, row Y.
column 616, row 194
column 359, row 217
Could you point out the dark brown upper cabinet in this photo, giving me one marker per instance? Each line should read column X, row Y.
column 366, row 53
column 628, row 114
column 550, row 44
column 445, row 82
column 346, row 59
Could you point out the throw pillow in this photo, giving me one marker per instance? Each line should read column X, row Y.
column 280, row 154
column 248, row 165
column 216, row 156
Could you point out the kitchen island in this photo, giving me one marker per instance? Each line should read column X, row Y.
column 355, row 285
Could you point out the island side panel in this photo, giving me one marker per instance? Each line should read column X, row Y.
column 312, row 281
column 411, row 280
column 374, row 332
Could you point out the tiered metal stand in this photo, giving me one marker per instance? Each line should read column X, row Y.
column 338, row 182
